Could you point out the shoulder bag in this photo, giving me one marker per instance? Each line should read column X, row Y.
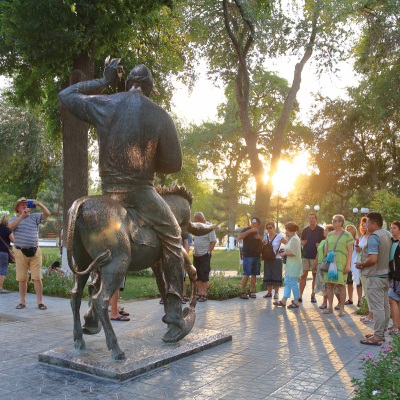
column 324, row 266
column 268, row 252
column 11, row 255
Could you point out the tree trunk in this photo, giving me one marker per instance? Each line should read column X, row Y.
column 75, row 143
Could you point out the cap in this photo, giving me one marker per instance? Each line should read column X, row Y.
column 255, row 220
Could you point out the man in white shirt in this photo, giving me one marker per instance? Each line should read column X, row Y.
column 203, row 247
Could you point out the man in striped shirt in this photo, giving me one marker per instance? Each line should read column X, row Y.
column 203, row 247
column 28, row 256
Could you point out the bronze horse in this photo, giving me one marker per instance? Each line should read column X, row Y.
column 107, row 240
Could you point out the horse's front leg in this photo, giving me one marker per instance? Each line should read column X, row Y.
column 160, row 283
column 76, row 297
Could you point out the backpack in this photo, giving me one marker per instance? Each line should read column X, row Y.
column 268, row 252
column 394, row 261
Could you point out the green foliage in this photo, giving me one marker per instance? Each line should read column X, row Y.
column 28, row 155
column 387, row 204
column 381, row 373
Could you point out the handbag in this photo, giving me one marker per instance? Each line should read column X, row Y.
column 325, row 264
column 11, row 255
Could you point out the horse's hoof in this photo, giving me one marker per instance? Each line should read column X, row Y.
column 91, row 330
column 175, row 333
column 118, row 354
column 80, row 344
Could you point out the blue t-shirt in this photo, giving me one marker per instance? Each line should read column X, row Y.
column 250, row 243
column 5, row 233
column 313, row 237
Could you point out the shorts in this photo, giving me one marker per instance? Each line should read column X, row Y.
column 3, row 263
column 203, row 267
column 308, row 263
column 251, row 265
column 393, row 295
column 23, row 264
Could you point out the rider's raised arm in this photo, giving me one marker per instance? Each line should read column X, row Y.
column 169, row 152
column 78, row 100
column 83, row 100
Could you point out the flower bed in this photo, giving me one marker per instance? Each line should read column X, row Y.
column 381, row 373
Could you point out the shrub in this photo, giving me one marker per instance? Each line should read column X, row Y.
column 221, row 287
column 151, row 290
column 363, row 310
column 55, row 283
column 144, row 272
column 381, row 373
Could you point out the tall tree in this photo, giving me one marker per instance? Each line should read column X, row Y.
column 240, row 35
column 59, row 45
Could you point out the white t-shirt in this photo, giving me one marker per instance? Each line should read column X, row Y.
column 275, row 243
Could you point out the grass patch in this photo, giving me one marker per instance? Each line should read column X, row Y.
column 224, row 261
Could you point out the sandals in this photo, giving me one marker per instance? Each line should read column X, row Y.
column 121, row 318
column 161, row 301
column 372, row 341
column 366, row 320
column 4, row 291
column 313, row 299
column 186, row 298
column 327, row 311
column 323, row 306
column 342, row 314
column 348, row 302
column 202, row 298
column 279, row 303
column 20, row 306
column 267, row 295
column 252, row 295
column 123, row 313
column 244, row 296
column 276, row 297
column 293, row 305
column 42, row 306
column 337, row 307
column 370, row 335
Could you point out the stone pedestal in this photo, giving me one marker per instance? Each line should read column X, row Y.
column 144, row 351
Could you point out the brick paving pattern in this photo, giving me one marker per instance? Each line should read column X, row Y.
column 276, row 353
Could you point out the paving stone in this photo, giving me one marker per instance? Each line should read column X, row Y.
column 275, row 354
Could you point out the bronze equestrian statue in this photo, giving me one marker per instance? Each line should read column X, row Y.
column 131, row 226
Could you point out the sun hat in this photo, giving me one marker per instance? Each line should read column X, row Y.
column 21, row 200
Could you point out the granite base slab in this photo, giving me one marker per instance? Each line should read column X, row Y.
column 144, row 351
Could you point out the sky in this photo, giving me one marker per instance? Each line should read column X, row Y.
column 201, row 105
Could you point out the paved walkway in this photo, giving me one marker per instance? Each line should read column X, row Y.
column 275, row 353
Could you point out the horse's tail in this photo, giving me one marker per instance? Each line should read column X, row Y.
column 72, row 216
column 100, row 259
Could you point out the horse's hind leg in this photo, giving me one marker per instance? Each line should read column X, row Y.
column 76, row 297
column 111, row 277
column 92, row 324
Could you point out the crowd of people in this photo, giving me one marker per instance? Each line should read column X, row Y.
column 338, row 258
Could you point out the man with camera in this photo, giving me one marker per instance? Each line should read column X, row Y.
column 28, row 256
